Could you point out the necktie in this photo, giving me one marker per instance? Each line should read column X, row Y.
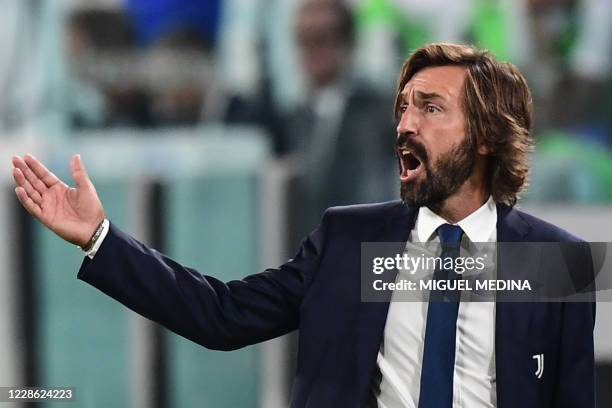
column 440, row 331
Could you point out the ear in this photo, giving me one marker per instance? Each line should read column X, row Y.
column 483, row 150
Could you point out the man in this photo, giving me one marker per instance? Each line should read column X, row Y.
column 339, row 125
column 463, row 139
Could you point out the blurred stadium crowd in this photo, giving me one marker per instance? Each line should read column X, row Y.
column 317, row 76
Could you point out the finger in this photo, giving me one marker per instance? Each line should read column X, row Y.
column 79, row 173
column 40, row 170
column 19, row 177
column 29, row 175
column 27, row 203
column 19, row 163
column 21, row 181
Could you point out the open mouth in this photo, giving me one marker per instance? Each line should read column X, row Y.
column 411, row 164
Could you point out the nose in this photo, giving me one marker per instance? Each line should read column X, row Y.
column 409, row 121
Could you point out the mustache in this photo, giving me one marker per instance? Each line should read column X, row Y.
column 404, row 141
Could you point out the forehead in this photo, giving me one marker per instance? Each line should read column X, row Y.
column 313, row 17
column 445, row 81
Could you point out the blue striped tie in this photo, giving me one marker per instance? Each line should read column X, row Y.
column 439, row 351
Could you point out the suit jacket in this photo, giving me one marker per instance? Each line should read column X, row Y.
column 318, row 293
column 356, row 145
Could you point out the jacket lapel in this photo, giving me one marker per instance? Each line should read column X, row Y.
column 373, row 315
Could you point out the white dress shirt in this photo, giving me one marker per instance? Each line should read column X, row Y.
column 397, row 383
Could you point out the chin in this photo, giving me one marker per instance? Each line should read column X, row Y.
column 420, row 194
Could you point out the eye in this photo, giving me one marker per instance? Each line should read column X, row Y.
column 429, row 108
column 403, row 107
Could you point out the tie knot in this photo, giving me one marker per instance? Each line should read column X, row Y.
column 449, row 233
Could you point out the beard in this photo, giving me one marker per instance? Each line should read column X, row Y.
column 442, row 178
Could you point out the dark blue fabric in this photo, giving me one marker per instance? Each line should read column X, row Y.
column 440, row 331
column 450, row 234
column 155, row 18
column 318, row 292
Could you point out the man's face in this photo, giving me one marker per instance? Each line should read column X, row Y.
column 322, row 51
column 435, row 156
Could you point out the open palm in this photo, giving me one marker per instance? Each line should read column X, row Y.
column 72, row 213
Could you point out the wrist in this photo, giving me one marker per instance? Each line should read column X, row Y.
column 94, row 237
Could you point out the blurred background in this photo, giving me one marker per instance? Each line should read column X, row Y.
column 218, row 131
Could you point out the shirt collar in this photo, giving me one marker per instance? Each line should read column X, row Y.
column 478, row 226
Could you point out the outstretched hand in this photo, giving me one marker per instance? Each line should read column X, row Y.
column 72, row 213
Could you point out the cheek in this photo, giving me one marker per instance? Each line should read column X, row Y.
column 451, row 134
column 445, row 137
column 443, row 142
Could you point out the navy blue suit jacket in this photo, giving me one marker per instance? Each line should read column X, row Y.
column 318, row 293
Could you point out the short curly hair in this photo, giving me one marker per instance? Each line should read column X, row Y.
column 498, row 108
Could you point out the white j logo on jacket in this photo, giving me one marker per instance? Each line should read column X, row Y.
column 540, row 360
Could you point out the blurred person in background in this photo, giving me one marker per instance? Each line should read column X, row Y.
column 181, row 36
column 144, row 65
column 156, row 19
column 590, row 70
column 552, row 27
column 336, row 134
column 572, row 79
column 339, row 132
column 99, row 45
column 572, row 72
column 179, row 93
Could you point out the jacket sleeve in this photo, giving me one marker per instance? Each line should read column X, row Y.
column 215, row 314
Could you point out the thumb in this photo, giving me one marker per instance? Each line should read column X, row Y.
column 79, row 173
